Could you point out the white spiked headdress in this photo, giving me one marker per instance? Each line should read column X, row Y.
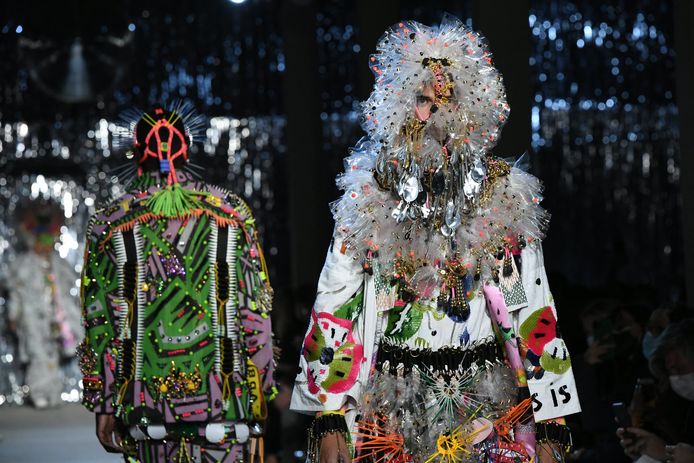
column 410, row 55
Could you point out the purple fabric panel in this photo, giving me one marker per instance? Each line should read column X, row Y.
column 172, row 229
column 170, row 451
column 139, row 388
column 155, row 266
column 215, row 384
column 109, row 386
column 526, row 437
column 212, row 400
column 192, row 405
column 263, row 356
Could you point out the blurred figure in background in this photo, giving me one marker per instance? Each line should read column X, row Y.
column 666, row 432
column 660, row 319
column 43, row 311
column 606, row 373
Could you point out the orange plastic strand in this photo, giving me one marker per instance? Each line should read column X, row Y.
column 515, row 415
column 374, row 439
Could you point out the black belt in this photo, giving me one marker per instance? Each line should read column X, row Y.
column 447, row 358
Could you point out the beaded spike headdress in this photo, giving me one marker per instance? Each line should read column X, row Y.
column 159, row 139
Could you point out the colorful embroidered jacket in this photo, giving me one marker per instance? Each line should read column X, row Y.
column 412, row 297
column 346, row 328
column 176, row 309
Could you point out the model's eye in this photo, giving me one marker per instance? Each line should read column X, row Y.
column 422, row 100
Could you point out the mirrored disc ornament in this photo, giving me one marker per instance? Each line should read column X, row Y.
column 400, row 212
column 446, row 230
column 409, row 185
column 471, row 188
column 452, row 216
column 479, row 171
column 425, row 208
column 438, row 182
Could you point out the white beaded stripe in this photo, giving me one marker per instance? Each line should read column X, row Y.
column 121, row 257
column 232, row 317
column 212, row 253
column 141, row 298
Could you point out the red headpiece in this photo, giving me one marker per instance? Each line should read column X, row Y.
column 161, row 142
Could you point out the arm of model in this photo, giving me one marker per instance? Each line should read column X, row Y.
column 339, row 340
column 99, row 308
column 545, row 355
column 254, row 287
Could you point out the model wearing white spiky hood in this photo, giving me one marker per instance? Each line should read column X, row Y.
column 435, row 267
column 431, row 188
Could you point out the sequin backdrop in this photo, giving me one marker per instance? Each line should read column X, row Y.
column 606, row 141
column 604, row 137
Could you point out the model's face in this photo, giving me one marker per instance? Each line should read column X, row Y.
column 436, row 109
column 425, row 103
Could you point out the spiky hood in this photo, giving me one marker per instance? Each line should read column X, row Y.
column 411, row 55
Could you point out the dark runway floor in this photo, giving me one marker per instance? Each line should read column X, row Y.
column 61, row 435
